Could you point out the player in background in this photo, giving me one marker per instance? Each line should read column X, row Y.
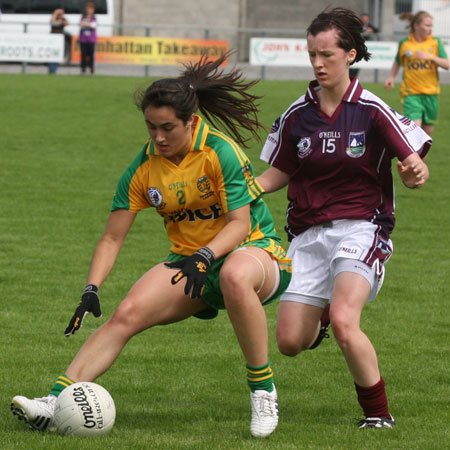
column 333, row 148
column 225, row 252
column 420, row 54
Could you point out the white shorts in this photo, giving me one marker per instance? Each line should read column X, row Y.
column 323, row 251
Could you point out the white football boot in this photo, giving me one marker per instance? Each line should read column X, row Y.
column 37, row 412
column 264, row 412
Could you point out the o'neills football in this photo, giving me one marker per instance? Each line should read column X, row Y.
column 84, row 409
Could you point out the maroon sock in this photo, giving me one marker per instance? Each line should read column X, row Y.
column 373, row 399
column 325, row 318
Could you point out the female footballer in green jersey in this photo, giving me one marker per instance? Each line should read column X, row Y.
column 225, row 252
column 420, row 54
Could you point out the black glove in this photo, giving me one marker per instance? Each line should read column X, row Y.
column 89, row 303
column 195, row 268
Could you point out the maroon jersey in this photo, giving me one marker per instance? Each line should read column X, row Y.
column 340, row 166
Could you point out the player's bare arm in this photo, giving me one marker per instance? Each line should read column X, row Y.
column 390, row 82
column 443, row 63
column 234, row 232
column 273, row 179
column 109, row 245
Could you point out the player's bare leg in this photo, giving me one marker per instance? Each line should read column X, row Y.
column 244, row 273
column 349, row 296
column 297, row 327
column 241, row 276
column 153, row 300
column 428, row 129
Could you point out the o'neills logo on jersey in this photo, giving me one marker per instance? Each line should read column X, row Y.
column 356, row 144
column 330, row 135
column 304, row 147
column 155, row 196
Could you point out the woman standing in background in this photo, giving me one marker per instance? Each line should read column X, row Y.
column 88, row 37
column 420, row 54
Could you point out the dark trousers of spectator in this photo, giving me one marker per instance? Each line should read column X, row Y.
column 87, row 56
column 53, row 67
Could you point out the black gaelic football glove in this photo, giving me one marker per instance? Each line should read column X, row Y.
column 89, row 303
column 195, row 268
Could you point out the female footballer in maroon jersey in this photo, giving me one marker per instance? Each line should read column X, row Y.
column 333, row 149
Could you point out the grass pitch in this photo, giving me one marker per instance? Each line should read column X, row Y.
column 64, row 142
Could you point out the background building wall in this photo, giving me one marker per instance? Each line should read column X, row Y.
column 218, row 19
column 282, row 14
column 294, row 14
column 217, row 13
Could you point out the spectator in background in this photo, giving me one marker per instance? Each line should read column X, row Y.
column 88, row 37
column 57, row 24
column 368, row 30
column 420, row 54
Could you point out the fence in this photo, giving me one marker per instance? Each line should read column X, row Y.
column 238, row 38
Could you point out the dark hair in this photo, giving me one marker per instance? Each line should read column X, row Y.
column 223, row 99
column 348, row 26
column 414, row 19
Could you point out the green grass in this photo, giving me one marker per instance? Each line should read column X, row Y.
column 64, row 141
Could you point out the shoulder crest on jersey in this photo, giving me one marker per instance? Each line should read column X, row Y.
column 156, row 197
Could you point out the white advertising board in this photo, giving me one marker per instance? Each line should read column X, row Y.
column 294, row 52
column 278, row 52
column 26, row 47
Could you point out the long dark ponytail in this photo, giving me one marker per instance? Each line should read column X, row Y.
column 222, row 98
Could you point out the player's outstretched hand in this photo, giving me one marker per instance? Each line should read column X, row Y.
column 89, row 303
column 195, row 268
column 413, row 175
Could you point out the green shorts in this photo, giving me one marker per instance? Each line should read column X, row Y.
column 421, row 107
column 212, row 295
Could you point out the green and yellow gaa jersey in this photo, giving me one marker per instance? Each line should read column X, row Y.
column 193, row 197
column 420, row 76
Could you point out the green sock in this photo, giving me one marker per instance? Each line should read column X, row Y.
column 61, row 383
column 260, row 378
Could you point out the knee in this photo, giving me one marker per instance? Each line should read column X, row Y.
column 233, row 282
column 290, row 345
column 125, row 317
column 288, row 348
column 342, row 331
